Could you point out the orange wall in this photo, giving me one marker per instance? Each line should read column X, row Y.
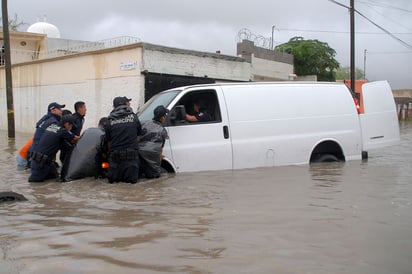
column 358, row 84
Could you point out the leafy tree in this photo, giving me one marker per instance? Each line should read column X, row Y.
column 311, row 57
column 343, row 73
column 14, row 23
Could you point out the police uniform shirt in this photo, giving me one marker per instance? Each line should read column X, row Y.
column 53, row 139
column 123, row 129
column 41, row 127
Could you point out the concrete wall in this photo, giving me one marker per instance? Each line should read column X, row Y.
column 267, row 70
column 266, row 65
column 307, row 78
column 193, row 63
column 25, row 46
column 246, row 48
column 407, row 93
column 95, row 77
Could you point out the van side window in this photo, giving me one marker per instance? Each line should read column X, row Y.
column 200, row 106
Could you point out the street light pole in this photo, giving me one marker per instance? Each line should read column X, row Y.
column 7, row 63
column 272, row 46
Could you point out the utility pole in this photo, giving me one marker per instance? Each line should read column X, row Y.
column 352, row 45
column 7, row 63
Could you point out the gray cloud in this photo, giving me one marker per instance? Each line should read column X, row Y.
column 213, row 25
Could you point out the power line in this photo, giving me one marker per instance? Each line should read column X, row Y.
column 386, row 31
column 376, row 3
column 341, row 32
column 389, row 52
column 376, row 25
column 372, row 7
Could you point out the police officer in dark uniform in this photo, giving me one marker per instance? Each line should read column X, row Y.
column 43, row 157
column 122, row 133
column 53, row 116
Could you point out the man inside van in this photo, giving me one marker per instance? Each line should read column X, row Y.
column 200, row 114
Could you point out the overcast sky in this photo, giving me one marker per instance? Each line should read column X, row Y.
column 214, row 25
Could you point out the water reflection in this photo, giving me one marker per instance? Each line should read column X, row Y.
column 326, row 174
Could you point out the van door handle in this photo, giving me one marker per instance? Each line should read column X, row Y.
column 226, row 132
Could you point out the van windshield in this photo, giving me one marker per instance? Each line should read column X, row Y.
column 146, row 111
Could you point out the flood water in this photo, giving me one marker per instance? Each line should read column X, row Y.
column 353, row 217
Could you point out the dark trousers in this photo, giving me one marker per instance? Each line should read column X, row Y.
column 39, row 173
column 150, row 164
column 123, row 171
column 66, row 154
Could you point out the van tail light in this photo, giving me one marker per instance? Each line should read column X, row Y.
column 105, row 165
column 357, row 104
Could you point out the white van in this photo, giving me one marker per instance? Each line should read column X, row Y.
column 273, row 124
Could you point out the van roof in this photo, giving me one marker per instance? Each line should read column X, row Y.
column 260, row 84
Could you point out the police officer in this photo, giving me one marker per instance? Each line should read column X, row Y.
column 53, row 116
column 122, row 133
column 152, row 142
column 43, row 157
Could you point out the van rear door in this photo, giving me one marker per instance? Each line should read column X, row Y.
column 379, row 122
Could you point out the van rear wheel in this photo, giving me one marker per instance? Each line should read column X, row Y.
column 325, row 158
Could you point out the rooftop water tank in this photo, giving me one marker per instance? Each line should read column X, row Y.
column 45, row 28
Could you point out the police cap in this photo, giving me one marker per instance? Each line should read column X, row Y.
column 118, row 101
column 159, row 111
column 55, row 105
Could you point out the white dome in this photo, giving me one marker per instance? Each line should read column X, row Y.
column 45, row 28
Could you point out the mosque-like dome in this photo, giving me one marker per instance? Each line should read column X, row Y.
column 45, row 28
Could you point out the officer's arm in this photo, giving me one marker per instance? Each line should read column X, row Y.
column 75, row 138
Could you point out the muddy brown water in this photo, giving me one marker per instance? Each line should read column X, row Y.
column 353, row 217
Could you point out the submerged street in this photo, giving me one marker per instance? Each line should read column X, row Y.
column 353, row 217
